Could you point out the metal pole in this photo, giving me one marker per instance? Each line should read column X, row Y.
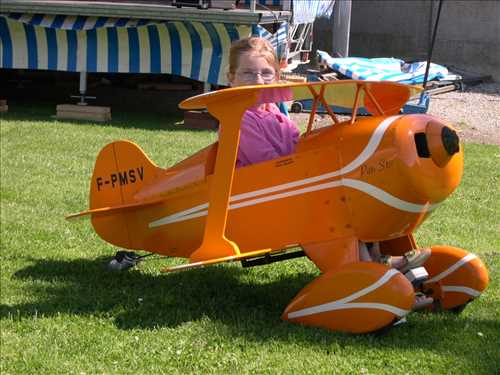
column 83, row 83
column 341, row 28
column 286, row 5
column 431, row 47
column 206, row 87
column 83, row 87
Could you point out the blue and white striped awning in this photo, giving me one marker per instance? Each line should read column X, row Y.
column 76, row 22
column 279, row 39
column 197, row 50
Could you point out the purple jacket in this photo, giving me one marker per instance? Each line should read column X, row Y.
column 265, row 134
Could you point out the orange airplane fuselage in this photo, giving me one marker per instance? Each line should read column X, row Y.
column 363, row 180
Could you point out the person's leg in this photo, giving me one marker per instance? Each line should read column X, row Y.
column 397, row 261
column 364, row 255
column 414, row 258
column 411, row 259
column 375, row 253
column 421, row 301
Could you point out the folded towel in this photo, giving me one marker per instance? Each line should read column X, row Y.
column 385, row 69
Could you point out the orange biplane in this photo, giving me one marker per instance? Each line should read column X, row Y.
column 371, row 179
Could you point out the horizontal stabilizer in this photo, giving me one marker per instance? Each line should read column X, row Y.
column 114, row 209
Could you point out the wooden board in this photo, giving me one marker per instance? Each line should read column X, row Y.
column 83, row 112
column 200, row 120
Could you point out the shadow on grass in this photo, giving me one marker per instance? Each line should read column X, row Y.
column 135, row 120
column 142, row 300
column 137, row 300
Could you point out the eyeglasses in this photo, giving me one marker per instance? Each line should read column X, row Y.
column 268, row 76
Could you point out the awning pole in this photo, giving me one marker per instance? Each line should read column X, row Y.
column 83, row 83
column 431, row 47
column 341, row 19
column 83, row 89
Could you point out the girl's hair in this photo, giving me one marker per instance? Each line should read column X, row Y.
column 255, row 44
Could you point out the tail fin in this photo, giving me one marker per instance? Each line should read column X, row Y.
column 121, row 170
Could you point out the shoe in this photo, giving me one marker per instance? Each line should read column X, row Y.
column 421, row 301
column 123, row 260
column 417, row 276
column 415, row 258
column 386, row 260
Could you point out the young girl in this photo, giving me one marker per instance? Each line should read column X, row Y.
column 265, row 132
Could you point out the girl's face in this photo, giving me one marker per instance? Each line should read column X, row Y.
column 253, row 69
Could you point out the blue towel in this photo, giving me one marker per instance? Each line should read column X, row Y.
column 384, row 69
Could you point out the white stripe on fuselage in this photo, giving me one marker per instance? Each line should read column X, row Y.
column 387, row 198
column 377, row 193
column 358, row 161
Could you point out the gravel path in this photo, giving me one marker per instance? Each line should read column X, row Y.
column 474, row 112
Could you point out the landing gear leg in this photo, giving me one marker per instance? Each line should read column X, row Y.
column 124, row 260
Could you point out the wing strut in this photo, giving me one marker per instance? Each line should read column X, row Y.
column 215, row 244
column 355, row 107
column 326, row 106
column 319, row 97
column 374, row 101
column 313, row 109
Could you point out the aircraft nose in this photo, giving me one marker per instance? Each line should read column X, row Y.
column 439, row 142
column 450, row 140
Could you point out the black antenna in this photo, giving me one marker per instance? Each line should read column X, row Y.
column 431, row 47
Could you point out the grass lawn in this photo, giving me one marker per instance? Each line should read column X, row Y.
column 62, row 312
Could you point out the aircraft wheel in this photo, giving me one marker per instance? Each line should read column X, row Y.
column 458, row 309
column 124, row 260
column 388, row 328
column 454, row 310
column 296, row 107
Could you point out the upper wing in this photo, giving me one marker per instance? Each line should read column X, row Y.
column 385, row 97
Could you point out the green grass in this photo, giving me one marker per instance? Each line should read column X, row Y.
column 63, row 312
